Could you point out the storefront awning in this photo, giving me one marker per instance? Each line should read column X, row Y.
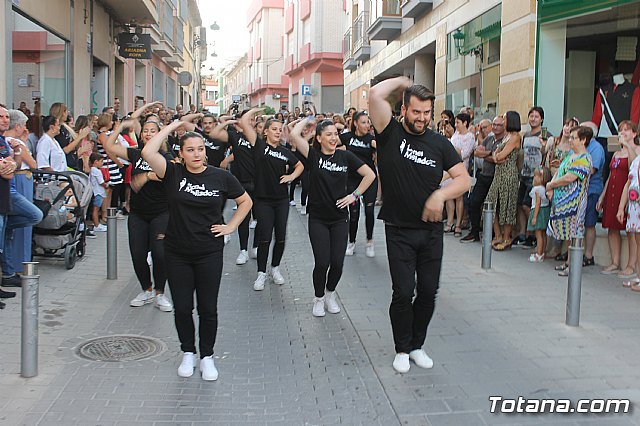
column 555, row 10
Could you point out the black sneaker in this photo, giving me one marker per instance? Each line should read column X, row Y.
column 518, row 241
column 7, row 294
column 13, row 281
column 529, row 243
column 470, row 238
column 90, row 234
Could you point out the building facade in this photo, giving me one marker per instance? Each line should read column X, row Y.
column 268, row 85
column 313, row 53
column 67, row 51
column 236, row 82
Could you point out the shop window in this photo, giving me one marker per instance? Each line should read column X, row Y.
column 493, row 51
column 39, row 65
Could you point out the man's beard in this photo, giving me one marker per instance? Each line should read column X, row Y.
column 412, row 128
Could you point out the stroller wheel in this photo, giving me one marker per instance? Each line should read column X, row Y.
column 70, row 256
column 80, row 246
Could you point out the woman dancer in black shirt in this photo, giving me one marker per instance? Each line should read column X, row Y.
column 363, row 145
column 193, row 250
column 274, row 164
column 329, row 171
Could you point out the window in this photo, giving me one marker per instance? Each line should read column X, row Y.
column 167, row 21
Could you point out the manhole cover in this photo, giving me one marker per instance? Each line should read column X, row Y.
column 120, row 348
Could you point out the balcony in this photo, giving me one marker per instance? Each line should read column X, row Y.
column 361, row 44
column 416, row 8
column 348, row 63
column 389, row 24
column 159, row 44
column 143, row 11
column 177, row 59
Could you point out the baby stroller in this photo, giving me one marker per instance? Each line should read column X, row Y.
column 64, row 198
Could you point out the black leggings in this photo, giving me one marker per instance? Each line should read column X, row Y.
column 117, row 192
column 369, row 198
column 243, row 229
column 200, row 273
column 146, row 233
column 272, row 215
column 329, row 242
column 304, row 183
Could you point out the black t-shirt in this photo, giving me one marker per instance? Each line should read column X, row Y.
column 195, row 203
column 328, row 176
column 174, row 144
column 361, row 147
column 411, row 168
column 215, row 149
column 271, row 163
column 243, row 164
column 64, row 138
column 5, row 184
column 152, row 198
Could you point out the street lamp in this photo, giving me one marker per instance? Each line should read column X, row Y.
column 214, row 55
column 458, row 38
column 215, row 26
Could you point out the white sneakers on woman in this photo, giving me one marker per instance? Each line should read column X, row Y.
column 318, row 307
column 328, row 301
column 258, row 284
column 207, row 366
column 242, row 258
column 419, row 356
column 276, row 275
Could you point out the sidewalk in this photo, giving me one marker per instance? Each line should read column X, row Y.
column 500, row 332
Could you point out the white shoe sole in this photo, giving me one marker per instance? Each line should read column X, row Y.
column 139, row 304
column 165, row 308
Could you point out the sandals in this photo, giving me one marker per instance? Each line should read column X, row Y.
column 562, row 257
column 562, row 267
column 610, row 270
column 631, row 283
column 502, row 246
column 449, row 228
column 586, row 261
column 458, row 232
column 636, row 287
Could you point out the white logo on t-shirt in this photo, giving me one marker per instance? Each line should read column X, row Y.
column 245, row 143
column 415, row 155
column 197, row 190
column 331, row 166
column 143, row 165
column 210, row 145
column 358, row 143
column 276, row 154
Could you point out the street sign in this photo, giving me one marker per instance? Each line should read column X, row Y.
column 134, row 45
column 306, row 90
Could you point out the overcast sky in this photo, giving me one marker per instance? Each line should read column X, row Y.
column 232, row 40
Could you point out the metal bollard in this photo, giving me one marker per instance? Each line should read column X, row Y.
column 29, row 343
column 112, row 244
column 487, row 233
column 574, row 288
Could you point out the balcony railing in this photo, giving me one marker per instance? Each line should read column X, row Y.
column 360, row 27
column 346, row 44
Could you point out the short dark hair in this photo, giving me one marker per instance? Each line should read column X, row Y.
column 95, row 156
column 538, row 109
column 584, row 133
column 513, row 121
column 47, row 122
column 420, row 92
column 465, row 118
column 449, row 114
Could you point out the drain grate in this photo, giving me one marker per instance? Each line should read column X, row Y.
column 120, row 348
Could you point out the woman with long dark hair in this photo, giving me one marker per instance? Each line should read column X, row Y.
column 360, row 142
column 330, row 172
column 276, row 166
column 196, row 193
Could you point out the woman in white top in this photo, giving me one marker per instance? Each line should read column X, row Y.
column 50, row 155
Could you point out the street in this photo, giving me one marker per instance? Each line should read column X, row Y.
column 499, row 332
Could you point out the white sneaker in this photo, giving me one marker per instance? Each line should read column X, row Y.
column 149, row 259
column 253, row 254
column 369, row 251
column 292, row 203
column 227, row 239
column 252, row 224
column 258, row 284
column 401, row 363
column 276, row 275
column 120, row 216
column 187, row 365
column 208, row 369
column 420, row 357
column 142, row 299
column 242, row 258
column 100, row 228
column 330, row 302
column 318, row 306
column 351, row 249
column 163, row 303
column 303, row 210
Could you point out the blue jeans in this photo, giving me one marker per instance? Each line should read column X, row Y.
column 22, row 213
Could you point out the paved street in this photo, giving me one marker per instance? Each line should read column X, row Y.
column 494, row 333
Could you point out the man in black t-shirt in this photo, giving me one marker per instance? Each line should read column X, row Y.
column 411, row 162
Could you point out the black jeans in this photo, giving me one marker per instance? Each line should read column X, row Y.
column 272, row 215
column 200, row 273
column 243, row 229
column 329, row 242
column 413, row 252
column 369, row 198
column 146, row 233
column 479, row 194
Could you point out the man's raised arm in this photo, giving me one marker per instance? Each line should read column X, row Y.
column 379, row 108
